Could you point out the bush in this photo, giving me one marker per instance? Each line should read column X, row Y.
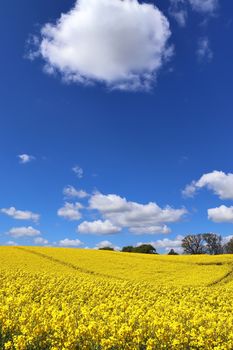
column 106, row 248
column 143, row 248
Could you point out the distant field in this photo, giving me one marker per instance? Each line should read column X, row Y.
column 74, row 299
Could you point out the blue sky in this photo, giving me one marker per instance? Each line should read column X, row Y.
column 139, row 98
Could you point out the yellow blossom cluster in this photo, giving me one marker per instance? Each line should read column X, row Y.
column 73, row 299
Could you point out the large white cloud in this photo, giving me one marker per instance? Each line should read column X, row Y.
column 19, row 232
column 20, row 214
column 122, row 43
column 221, row 214
column 98, row 227
column 139, row 218
column 70, row 211
column 217, row 181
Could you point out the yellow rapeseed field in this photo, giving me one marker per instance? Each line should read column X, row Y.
column 74, row 299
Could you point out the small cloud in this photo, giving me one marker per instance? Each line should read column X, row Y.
column 104, row 244
column 70, row 211
column 72, row 192
column 40, row 241
column 98, row 227
column 78, row 171
column 218, row 182
column 204, row 6
column 20, row 214
column 25, row 158
column 12, row 243
column 204, row 52
column 221, row 214
column 226, row 239
column 70, row 242
column 23, row 232
column 183, row 159
column 190, row 190
column 178, row 10
column 150, row 230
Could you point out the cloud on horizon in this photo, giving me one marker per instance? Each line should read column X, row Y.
column 167, row 244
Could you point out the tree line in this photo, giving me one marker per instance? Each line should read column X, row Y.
column 203, row 243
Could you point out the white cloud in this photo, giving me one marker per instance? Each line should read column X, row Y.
column 23, row 232
column 12, row 243
column 226, row 239
column 190, row 190
column 221, row 214
column 41, row 241
column 204, row 6
column 78, row 171
column 150, row 230
column 137, row 217
column 25, row 158
column 70, row 211
column 122, row 43
column 217, row 181
column 69, row 242
column 71, row 192
column 178, row 10
column 104, row 244
column 204, row 52
column 20, row 214
column 98, row 227
column 167, row 244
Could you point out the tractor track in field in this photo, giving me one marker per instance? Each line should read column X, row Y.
column 228, row 276
column 67, row 264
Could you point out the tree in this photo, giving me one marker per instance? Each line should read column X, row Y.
column 145, row 249
column 128, row 249
column 213, row 243
column 106, row 248
column 193, row 244
column 228, row 247
column 172, row 252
